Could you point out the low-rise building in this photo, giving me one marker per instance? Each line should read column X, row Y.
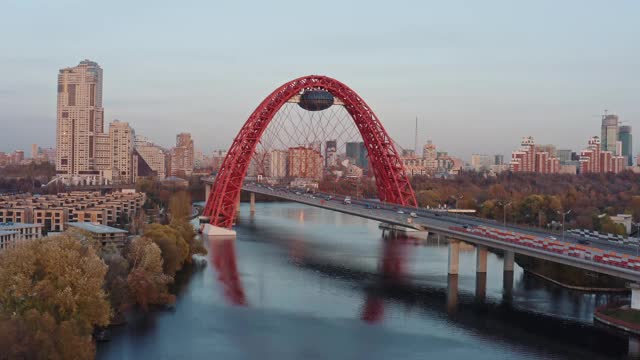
column 106, row 235
column 54, row 211
column 13, row 233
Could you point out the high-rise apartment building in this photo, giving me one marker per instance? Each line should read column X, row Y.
column 624, row 135
column 79, row 118
column 609, row 133
column 430, row 157
column 304, row 163
column 529, row 159
column 594, row 160
column 121, row 140
column 182, row 156
column 278, row 164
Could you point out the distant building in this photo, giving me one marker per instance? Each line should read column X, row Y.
column 277, row 164
column 564, row 155
column 304, row 163
column 182, row 156
column 217, row 157
column 626, row 140
column 481, row 162
column 498, row 159
column 430, row 156
column 530, row 158
column 154, row 156
column 594, row 160
column 357, row 151
column 609, row 133
column 330, row 153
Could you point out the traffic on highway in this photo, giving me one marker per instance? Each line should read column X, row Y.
column 422, row 217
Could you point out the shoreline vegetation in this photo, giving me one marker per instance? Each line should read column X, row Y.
column 58, row 290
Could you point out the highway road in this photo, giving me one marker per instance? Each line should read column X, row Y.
column 426, row 218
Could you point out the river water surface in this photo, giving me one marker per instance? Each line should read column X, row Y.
column 305, row 283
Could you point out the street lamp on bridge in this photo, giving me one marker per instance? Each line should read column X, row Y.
column 504, row 212
column 563, row 214
column 457, row 199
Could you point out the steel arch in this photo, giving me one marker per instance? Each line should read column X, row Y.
column 391, row 179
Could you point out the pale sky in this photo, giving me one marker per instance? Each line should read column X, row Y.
column 478, row 74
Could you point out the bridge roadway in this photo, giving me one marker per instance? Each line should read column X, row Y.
column 441, row 224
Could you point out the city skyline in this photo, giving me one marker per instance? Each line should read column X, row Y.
column 444, row 63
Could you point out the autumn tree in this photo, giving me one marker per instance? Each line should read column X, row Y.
column 174, row 249
column 147, row 283
column 52, row 298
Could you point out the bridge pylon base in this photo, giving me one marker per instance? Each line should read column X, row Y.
column 212, row 230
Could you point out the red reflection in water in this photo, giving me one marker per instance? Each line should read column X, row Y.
column 393, row 269
column 223, row 256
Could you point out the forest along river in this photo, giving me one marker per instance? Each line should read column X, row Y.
column 302, row 282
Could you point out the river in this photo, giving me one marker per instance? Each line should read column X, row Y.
column 306, row 283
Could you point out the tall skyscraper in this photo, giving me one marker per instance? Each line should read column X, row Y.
column 609, row 133
column 79, row 119
column 625, row 137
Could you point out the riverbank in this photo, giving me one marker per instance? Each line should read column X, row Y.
column 571, row 277
column 621, row 317
column 578, row 288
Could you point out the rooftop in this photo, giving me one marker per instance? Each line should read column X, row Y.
column 96, row 228
column 12, row 225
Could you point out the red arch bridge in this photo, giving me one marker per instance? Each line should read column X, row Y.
column 397, row 206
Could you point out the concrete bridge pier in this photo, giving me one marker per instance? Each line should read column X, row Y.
column 452, row 294
column 252, row 202
column 507, row 277
column 454, row 257
column 481, row 272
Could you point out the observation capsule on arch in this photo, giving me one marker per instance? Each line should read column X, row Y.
column 315, row 100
